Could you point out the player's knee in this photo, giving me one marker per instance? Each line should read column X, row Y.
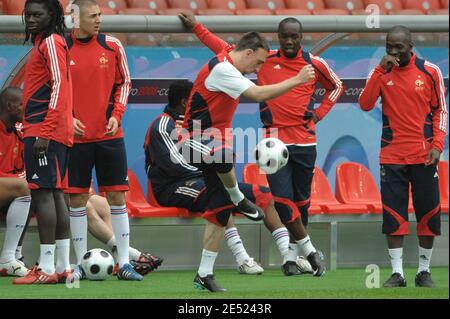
column 284, row 212
column 78, row 200
column 116, row 198
column 20, row 189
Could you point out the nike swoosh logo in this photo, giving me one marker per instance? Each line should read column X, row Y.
column 254, row 215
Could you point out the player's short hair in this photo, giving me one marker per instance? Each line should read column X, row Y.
column 6, row 94
column 83, row 3
column 401, row 29
column 253, row 41
column 178, row 90
column 290, row 20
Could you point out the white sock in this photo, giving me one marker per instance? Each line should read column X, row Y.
column 47, row 259
column 62, row 255
column 207, row 263
column 134, row 253
column 293, row 252
column 78, row 229
column 112, row 242
column 16, row 219
column 396, row 256
column 121, row 229
column 424, row 259
column 19, row 252
column 306, row 246
column 235, row 194
column 281, row 237
column 235, row 244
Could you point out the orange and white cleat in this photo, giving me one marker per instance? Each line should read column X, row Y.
column 36, row 277
column 65, row 277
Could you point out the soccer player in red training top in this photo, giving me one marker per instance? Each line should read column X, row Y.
column 14, row 193
column 48, row 135
column 414, row 129
column 213, row 101
column 293, row 117
column 101, row 85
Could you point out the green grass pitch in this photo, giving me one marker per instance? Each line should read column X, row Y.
column 342, row 284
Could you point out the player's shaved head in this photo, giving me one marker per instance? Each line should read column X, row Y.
column 400, row 30
column 9, row 94
column 85, row 3
column 290, row 20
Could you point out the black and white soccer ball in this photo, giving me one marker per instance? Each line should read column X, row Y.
column 97, row 264
column 271, row 155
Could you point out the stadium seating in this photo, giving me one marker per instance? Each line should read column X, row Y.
column 192, row 5
column 322, row 195
column 137, row 11
column 356, row 185
column 439, row 11
column 423, row 5
column 148, row 4
column 215, row 12
column 310, row 5
column 335, row 12
column 174, row 11
column 253, row 11
column 444, row 4
column 271, row 5
column 14, row 7
column 116, row 5
column 232, row 5
column 386, row 5
column 348, row 5
column 443, row 186
column 406, row 12
column 364, row 12
column 138, row 207
column 108, row 11
column 292, row 12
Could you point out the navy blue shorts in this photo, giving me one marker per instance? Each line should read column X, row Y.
column 291, row 185
column 193, row 195
column 424, row 181
column 49, row 172
column 110, row 162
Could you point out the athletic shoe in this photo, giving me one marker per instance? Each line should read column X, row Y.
column 396, row 280
column 250, row 267
column 78, row 273
column 128, row 273
column 423, row 279
column 303, row 265
column 207, row 282
column 250, row 210
column 146, row 263
column 290, row 268
column 317, row 264
column 14, row 268
column 116, row 269
column 65, row 277
column 36, row 276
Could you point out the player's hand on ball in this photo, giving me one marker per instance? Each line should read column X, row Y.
column 188, row 19
column 433, row 157
column 388, row 62
column 78, row 127
column 306, row 74
column 113, row 126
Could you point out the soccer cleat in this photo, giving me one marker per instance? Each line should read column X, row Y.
column 65, row 277
column 207, row 282
column 78, row 273
column 396, row 280
column 317, row 264
column 250, row 210
column 14, row 268
column 250, row 267
column 128, row 273
column 303, row 265
column 146, row 263
column 423, row 279
column 290, row 268
column 116, row 269
column 37, row 277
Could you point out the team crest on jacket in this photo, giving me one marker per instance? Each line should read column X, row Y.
column 419, row 84
column 103, row 61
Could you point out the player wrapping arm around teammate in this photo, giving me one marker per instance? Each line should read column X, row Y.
column 414, row 129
